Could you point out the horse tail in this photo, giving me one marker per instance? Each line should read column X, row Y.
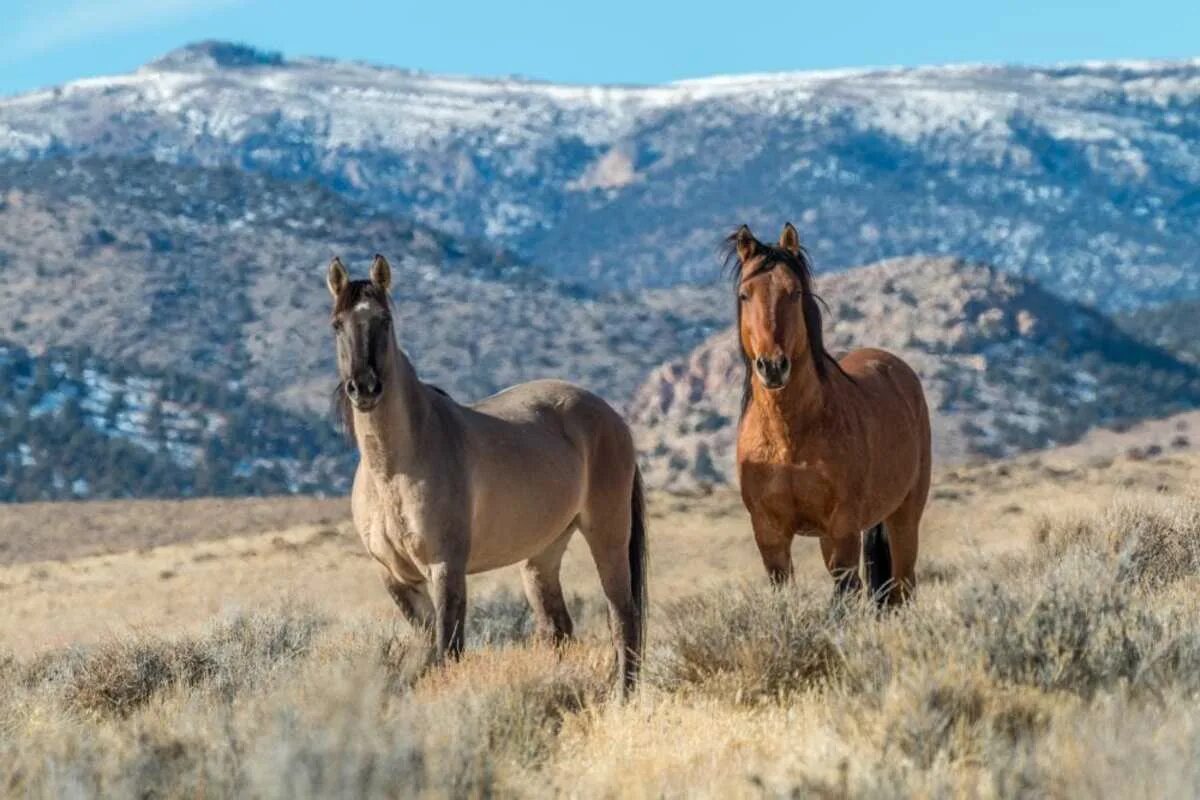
column 638, row 557
column 877, row 562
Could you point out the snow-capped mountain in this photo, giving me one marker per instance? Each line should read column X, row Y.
column 1084, row 176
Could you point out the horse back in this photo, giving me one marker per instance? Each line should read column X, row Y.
column 538, row 451
column 888, row 400
column 883, row 372
column 556, row 408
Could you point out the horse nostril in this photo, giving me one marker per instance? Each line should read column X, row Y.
column 784, row 364
column 351, row 387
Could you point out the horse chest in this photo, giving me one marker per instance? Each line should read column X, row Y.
column 796, row 497
column 392, row 539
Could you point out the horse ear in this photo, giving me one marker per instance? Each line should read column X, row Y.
column 337, row 277
column 746, row 244
column 381, row 273
column 790, row 240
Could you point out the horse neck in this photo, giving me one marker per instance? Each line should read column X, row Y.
column 789, row 413
column 389, row 435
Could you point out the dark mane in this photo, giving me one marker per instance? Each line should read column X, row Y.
column 341, row 412
column 800, row 265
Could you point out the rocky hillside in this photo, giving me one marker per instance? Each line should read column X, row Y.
column 178, row 220
column 1172, row 326
column 75, row 426
column 220, row 273
column 1007, row 367
column 1083, row 177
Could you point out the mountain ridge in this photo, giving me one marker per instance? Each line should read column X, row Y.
column 1065, row 174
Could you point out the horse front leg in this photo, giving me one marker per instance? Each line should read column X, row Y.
column 775, row 546
column 412, row 599
column 448, row 581
column 842, row 556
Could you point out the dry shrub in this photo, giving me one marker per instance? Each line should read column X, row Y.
column 1154, row 540
column 1071, row 668
column 118, row 677
column 286, row 705
column 1064, row 625
column 939, row 570
column 461, row 731
column 952, row 714
column 505, row 618
column 1075, row 627
column 750, row 643
column 1072, row 634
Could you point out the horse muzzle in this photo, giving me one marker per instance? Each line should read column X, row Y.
column 773, row 372
column 364, row 391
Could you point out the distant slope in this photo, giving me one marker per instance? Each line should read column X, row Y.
column 1007, row 367
column 1172, row 326
column 220, row 273
column 76, row 426
column 1083, row 177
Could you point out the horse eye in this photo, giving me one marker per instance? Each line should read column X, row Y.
column 337, row 325
column 742, row 296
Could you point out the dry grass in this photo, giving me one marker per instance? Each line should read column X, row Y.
column 1069, row 667
column 184, row 563
column 59, row 531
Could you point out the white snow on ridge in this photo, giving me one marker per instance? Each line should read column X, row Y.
column 513, row 159
column 357, row 105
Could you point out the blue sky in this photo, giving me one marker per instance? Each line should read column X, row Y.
column 44, row 42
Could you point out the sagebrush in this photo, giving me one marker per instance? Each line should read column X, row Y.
column 1072, row 668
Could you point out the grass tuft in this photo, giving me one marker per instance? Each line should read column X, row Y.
column 751, row 643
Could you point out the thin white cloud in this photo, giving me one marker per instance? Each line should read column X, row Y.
column 83, row 20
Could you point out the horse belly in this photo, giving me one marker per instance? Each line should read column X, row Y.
column 521, row 510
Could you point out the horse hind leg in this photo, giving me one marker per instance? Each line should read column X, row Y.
column 877, row 562
column 612, row 527
column 904, row 531
column 540, row 575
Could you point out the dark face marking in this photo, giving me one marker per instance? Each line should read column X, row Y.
column 362, row 325
column 772, row 327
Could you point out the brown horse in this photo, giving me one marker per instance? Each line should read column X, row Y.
column 826, row 448
column 444, row 490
